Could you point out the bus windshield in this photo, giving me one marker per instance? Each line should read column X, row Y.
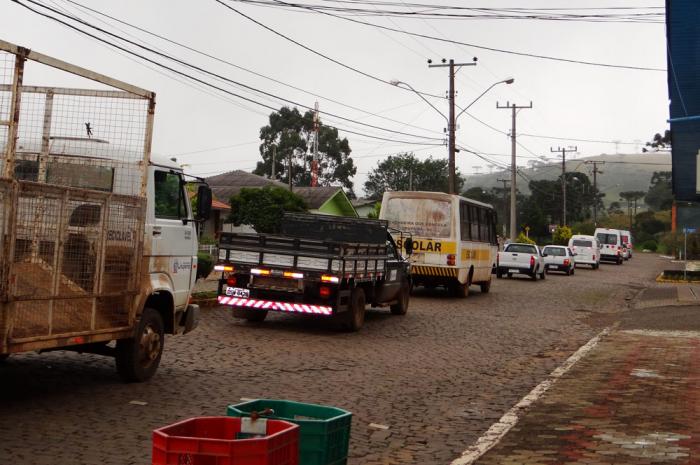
column 420, row 217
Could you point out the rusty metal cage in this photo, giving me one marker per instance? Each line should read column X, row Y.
column 73, row 167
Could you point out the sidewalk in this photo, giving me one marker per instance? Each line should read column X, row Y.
column 633, row 399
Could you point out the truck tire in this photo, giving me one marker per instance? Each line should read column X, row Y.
column 401, row 307
column 543, row 275
column 499, row 274
column 138, row 358
column 354, row 318
column 254, row 316
column 533, row 276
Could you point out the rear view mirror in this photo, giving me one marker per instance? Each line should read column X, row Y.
column 408, row 246
column 204, row 198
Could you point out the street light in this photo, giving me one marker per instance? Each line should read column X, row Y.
column 451, row 125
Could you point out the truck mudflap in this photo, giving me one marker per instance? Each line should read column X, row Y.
column 191, row 318
column 289, row 307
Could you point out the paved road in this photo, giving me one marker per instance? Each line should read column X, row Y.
column 437, row 377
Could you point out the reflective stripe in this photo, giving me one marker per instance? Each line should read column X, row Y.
column 272, row 305
column 434, row 271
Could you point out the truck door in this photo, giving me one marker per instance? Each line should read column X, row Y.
column 173, row 241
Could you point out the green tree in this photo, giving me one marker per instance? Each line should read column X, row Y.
column 631, row 197
column 660, row 194
column 262, row 208
column 659, row 142
column 479, row 194
column 289, row 133
column 403, row 171
column 374, row 214
column 580, row 197
column 615, row 208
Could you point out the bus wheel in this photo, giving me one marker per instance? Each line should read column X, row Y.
column 460, row 290
column 485, row 287
column 354, row 318
column 401, row 307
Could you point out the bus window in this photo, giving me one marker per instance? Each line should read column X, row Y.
column 474, row 222
column 464, row 221
column 484, row 226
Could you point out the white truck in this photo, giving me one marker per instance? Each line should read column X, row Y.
column 519, row 258
column 98, row 240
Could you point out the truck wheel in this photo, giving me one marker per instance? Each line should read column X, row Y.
column 543, row 275
column 533, row 276
column 254, row 316
column 355, row 317
column 499, row 274
column 138, row 358
column 401, row 307
column 485, row 287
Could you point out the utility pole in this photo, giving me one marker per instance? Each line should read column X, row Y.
column 274, row 156
column 314, row 161
column 595, row 187
column 290, row 170
column 451, row 146
column 563, row 151
column 505, row 189
column 513, row 166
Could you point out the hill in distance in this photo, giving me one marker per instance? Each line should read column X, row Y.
column 620, row 173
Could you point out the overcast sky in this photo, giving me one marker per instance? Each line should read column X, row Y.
column 212, row 132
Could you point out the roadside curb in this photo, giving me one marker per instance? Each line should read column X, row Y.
column 499, row 429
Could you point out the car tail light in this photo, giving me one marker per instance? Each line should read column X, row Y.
column 566, row 262
column 593, row 256
column 532, row 261
column 231, row 281
column 451, row 259
column 324, row 291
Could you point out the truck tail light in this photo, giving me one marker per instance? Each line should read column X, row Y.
column 223, row 268
column 593, row 256
column 259, row 272
column 231, row 281
column 293, row 275
column 451, row 259
column 324, row 291
column 330, row 279
column 532, row 261
column 566, row 262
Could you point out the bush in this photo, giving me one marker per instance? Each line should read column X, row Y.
column 205, row 264
column 562, row 235
column 523, row 239
column 673, row 244
column 650, row 245
column 583, row 227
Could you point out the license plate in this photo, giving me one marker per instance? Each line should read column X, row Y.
column 237, row 292
column 513, row 270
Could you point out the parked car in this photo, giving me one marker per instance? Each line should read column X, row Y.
column 559, row 258
column 587, row 250
column 626, row 238
column 611, row 244
column 519, row 258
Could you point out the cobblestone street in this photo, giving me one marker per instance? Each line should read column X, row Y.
column 437, row 377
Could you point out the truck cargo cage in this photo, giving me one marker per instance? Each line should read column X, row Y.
column 334, row 228
column 73, row 167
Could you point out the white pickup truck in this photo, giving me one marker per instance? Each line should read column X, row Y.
column 519, row 258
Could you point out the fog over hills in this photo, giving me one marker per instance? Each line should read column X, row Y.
column 620, row 173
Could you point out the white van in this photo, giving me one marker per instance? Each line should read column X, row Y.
column 610, row 244
column 626, row 244
column 587, row 250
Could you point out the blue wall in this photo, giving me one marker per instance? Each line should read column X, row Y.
column 683, row 35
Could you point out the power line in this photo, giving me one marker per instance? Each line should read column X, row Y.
column 221, row 60
column 481, row 47
column 202, row 70
column 315, row 52
column 201, row 81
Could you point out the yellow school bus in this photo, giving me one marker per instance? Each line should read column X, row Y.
column 454, row 238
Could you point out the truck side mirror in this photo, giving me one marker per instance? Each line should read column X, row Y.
column 408, row 246
column 204, row 198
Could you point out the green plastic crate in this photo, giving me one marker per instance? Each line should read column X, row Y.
column 324, row 432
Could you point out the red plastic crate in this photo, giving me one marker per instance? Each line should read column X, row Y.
column 214, row 441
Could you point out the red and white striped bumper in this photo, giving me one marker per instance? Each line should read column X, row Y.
column 275, row 306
